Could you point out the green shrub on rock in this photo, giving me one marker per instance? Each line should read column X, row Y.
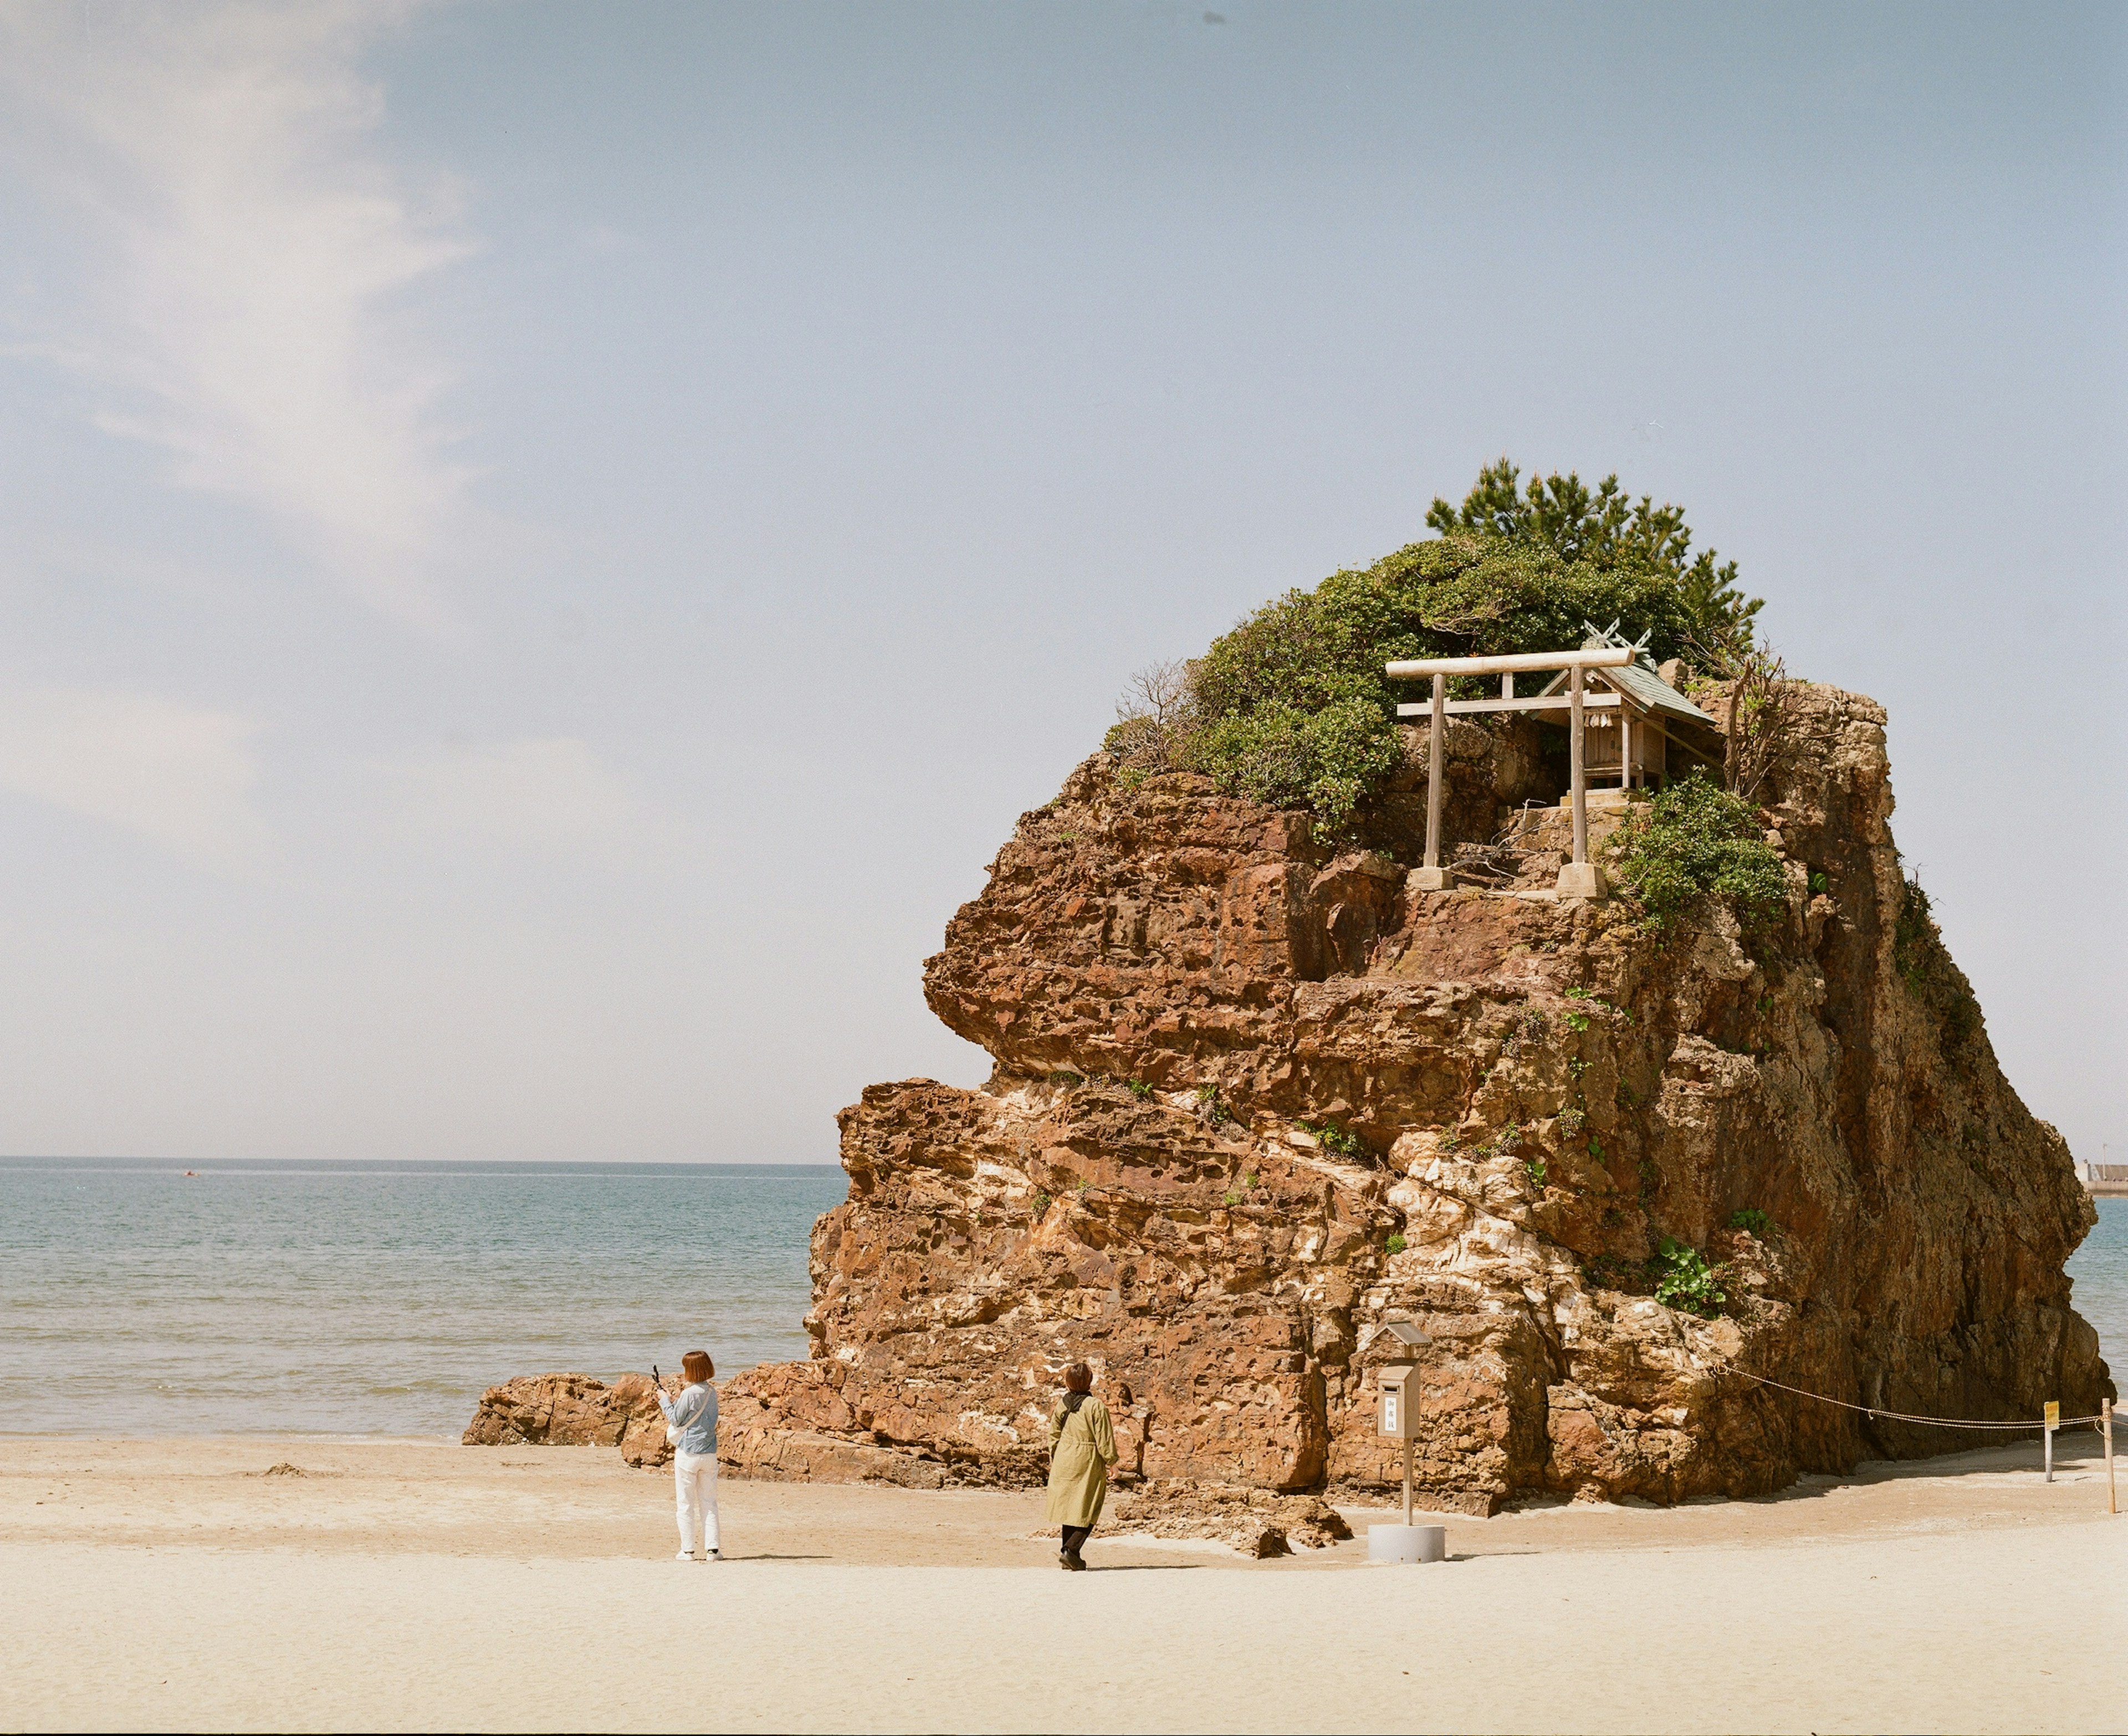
column 1333, row 1138
column 1696, row 840
column 1325, row 761
column 1683, row 1280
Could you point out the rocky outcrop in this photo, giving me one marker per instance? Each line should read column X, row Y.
column 1252, row 1522
column 1254, row 1096
column 573, row 1411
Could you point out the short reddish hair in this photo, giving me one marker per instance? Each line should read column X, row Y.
column 696, row 1365
column 1078, row 1379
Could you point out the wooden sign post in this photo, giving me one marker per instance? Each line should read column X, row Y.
column 1400, row 1383
column 1399, row 1421
column 2052, row 1422
column 2105, row 1423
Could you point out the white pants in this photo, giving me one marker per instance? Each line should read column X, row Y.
column 694, row 1492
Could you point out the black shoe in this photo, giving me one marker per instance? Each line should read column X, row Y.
column 1073, row 1564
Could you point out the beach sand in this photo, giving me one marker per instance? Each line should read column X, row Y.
column 172, row 1584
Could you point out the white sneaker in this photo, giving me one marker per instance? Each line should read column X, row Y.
column 685, row 1555
column 714, row 1555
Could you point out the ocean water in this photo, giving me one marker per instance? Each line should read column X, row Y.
column 381, row 1298
column 2100, row 1271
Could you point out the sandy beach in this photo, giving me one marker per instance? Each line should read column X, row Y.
column 182, row 1584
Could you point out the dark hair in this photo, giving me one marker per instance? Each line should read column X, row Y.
column 696, row 1365
column 1078, row 1379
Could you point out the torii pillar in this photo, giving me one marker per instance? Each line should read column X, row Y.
column 1579, row 878
column 1433, row 877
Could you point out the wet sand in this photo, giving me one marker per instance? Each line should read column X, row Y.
column 408, row 1585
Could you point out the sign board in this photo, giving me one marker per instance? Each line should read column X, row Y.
column 2053, row 1413
column 1398, row 1418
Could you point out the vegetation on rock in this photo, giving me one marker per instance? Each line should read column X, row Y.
column 1291, row 707
column 1677, row 1274
column 1333, row 1137
column 1326, row 761
column 1927, row 968
column 1607, row 529
column 1683, row 1280
column 1697, row 840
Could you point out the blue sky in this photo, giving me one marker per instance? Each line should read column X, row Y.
column 543, row 547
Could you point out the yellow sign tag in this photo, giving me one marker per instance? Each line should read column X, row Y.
column 2053, row 1413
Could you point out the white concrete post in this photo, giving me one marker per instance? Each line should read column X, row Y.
column 2106, row 1422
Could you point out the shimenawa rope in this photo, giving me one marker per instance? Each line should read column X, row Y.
column 1933, row 1422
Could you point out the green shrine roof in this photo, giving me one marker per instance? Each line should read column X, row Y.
column 1640, row 681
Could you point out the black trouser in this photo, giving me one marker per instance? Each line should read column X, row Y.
column 1074, row 1538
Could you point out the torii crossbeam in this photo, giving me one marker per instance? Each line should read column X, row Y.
column 1578, row 879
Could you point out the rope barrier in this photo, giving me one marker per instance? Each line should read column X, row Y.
column 1931, row 1422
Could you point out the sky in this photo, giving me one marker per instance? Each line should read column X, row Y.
column 542, row 548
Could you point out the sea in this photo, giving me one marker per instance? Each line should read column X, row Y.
column 380, row 1298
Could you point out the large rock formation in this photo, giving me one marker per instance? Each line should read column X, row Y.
column 1254, row 1096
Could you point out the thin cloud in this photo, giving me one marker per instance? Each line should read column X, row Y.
column 245, row 252
column 180, row 775
column 546, row 793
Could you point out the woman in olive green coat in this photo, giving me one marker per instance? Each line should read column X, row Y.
column 1082, row 1446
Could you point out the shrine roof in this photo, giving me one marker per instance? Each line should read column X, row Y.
column 1639, row 680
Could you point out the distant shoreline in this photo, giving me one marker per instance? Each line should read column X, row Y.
column 205, row 1167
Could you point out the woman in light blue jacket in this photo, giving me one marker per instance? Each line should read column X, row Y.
column 691, row 1425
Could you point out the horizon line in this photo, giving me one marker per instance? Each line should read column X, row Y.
column 198, row 1165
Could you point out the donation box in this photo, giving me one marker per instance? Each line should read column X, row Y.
column 1399, row 1412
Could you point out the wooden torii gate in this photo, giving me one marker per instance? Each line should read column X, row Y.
column 1581, row 877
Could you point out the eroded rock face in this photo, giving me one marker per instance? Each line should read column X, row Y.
column 1182, row 991
column 573, row 1411
column 1252, row 1522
